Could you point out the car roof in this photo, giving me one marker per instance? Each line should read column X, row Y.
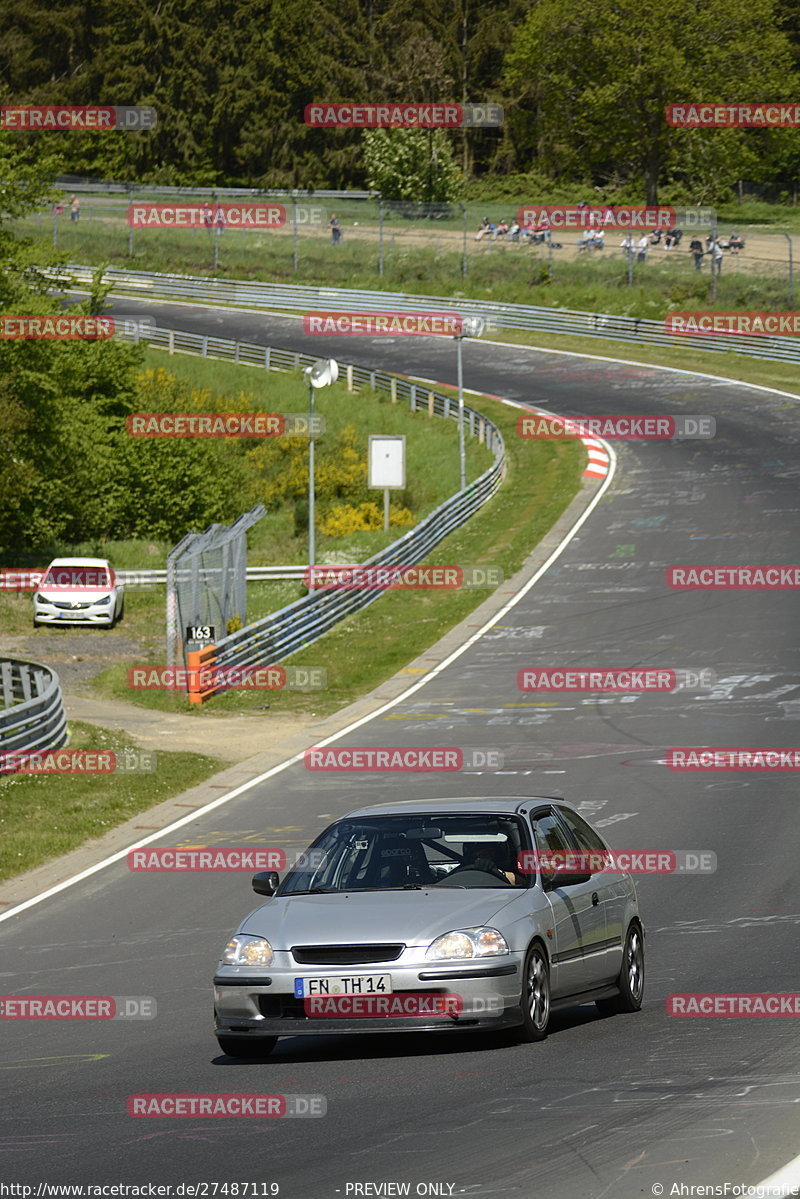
column 468, row 805
column 79, row 562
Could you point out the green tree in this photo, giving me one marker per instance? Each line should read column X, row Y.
column 411, row 164
column 595, row 84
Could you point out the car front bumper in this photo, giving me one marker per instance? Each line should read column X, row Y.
column 265, row 1005
column 49, row 615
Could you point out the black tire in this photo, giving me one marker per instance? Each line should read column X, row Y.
column 249, row 1047
column 631, row 977
column 535, row 996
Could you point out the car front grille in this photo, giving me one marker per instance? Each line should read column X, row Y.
column 345, row 955
column 287, row 1007
column 70, row 607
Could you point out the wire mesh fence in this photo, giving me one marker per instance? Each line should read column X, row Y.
column 333, row 236
column 207, row 585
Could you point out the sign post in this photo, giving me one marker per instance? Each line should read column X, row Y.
column 387, row 467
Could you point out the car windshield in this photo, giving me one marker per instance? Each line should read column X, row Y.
column 407, row 852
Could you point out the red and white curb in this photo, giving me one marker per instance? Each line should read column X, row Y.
column 599, row 458
column 599, row 463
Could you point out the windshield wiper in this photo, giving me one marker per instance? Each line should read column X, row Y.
column 315, row 891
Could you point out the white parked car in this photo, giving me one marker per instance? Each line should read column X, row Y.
column 79, row 591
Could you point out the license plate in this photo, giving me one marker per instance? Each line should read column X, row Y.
column 351, row 984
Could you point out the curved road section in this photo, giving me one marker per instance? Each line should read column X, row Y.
column 625, row 1106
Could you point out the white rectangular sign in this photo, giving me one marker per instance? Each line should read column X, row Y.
column 387, row 462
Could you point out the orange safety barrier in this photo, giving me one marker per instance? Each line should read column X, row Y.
column 198, row 660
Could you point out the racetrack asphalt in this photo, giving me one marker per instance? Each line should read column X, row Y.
column 604, row 1107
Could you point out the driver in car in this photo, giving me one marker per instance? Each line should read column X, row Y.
column 482, row 858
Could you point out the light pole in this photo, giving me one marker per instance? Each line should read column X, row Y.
column 791, row 270
column 320, row 374
column 471, row 326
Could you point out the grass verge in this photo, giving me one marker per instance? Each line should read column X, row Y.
column 46, row 816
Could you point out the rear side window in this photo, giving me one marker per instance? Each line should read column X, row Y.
column 583, row 833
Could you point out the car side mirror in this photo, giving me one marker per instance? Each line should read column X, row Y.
column 266, row 882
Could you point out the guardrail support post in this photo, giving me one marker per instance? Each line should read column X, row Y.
column 431, row 401
column 393, row 389
column 350, row 378
column 194, row 667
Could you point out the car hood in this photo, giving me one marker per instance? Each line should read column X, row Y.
column 359, row 917
column 81, row 595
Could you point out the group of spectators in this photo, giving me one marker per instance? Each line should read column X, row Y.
column 594, row 238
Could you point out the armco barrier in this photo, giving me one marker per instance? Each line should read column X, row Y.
column 631, row 329
column 299, row 624
column 32, row 716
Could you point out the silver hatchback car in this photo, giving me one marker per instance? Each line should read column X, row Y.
column 429, row 916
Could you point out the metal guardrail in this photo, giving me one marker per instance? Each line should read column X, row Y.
column 632, row 329
column 146, row 578
column 93, row 186
column 255, row 574
column 298, row 625
column 32, row 716
column 267, row 641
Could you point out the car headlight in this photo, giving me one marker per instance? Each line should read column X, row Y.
column 468, row 943
column 105, row 600
column 247, row 951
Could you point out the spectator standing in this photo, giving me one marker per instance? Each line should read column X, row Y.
column 642, row 246
column 696, row 250
column 336, row 229
column 219, row 219
column 74, row 209
column 715, row 250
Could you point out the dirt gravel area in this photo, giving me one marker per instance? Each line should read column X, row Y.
column 78, row 656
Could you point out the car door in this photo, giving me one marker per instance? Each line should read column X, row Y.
column 612, row 888
column 577, row 949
